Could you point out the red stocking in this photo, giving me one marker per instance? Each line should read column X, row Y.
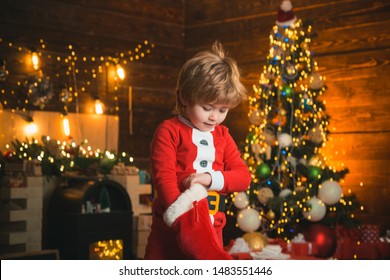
column 189, row 217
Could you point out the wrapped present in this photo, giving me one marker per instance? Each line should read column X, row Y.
column 384, row 250
column 300, row 247
column 277, row 241
column 346, row 248
column 367, row 251
column 343, row 232
column 369, row 233
column 347, row 242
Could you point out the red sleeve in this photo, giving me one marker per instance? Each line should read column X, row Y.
column 236, row 174
column 163, row 163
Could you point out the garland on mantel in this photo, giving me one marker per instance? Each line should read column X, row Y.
column 58, row 158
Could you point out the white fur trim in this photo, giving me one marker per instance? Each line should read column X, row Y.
column 184, row 203
column 212, row 219
column 217, row 181
column 287, row 23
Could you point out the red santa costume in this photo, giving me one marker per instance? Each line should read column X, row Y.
column 187, row 224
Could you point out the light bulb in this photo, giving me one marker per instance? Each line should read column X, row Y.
column 31, row 128
column 98, row 107
column 66, row 125
column 35, row 60
column 120, row 71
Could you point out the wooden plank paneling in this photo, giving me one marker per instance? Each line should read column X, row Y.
column 105, row 21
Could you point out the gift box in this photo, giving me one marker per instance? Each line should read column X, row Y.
column 361, row 243
column 300, row 247
column 303, row 249
column 347, row 242
column 346, row 249
column 369, row 233
column 373, row 251
column 343, row 232
column 384, row 250
column 277, row 241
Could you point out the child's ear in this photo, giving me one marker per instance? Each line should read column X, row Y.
column 182, row 100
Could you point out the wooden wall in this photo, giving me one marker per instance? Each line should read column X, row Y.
column 353, row 53
column 107, row 27
column 352, row 50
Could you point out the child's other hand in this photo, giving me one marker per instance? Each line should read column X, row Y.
column 201, row 178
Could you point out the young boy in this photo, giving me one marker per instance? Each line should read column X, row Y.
column 195, row 161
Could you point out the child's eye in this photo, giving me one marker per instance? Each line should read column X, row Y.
column 223, row 111
column 206, row 108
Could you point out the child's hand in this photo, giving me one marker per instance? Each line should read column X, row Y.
column 201, row 178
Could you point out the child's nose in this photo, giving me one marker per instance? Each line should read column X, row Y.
column 213, row 116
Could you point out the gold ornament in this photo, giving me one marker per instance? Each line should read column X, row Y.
column 299, row 189
column 256, row 117
column 270, row 215
column 315, row 81
column 316, row 135
column 256, row 241
column 251, row 161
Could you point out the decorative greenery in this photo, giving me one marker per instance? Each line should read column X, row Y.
column 62, row 158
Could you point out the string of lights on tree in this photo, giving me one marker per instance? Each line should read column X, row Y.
column 291, row 182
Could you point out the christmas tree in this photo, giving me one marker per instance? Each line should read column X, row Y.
column 292, row 184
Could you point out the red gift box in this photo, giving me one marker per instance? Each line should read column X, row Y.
column 303, row 248
column 347, row 242
column 384, row 250
column 300, row 247
column 342, row 232
column 346, row 249
column 373, row 251
column 369, row 233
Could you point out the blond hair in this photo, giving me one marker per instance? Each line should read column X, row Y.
column 209, row 77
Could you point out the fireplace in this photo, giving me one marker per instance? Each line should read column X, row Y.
column 90, row 219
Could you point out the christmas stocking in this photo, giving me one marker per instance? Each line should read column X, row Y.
column 189, row 217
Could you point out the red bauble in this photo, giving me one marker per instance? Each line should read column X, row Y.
column 323, row 237
column 7, row 154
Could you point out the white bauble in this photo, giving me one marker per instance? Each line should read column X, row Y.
column 330, row 192
column 284, row 140
column 317, row 211
column 303, row 161
column 285, row 192
column 265, row 194
column 241, row 200
column 248, row 220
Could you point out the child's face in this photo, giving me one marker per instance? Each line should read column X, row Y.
column 207, row 116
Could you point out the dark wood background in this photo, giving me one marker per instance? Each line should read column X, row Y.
column 352, row 50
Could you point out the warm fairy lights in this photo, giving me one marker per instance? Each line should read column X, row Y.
column 106, row 250
column 74, row 74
